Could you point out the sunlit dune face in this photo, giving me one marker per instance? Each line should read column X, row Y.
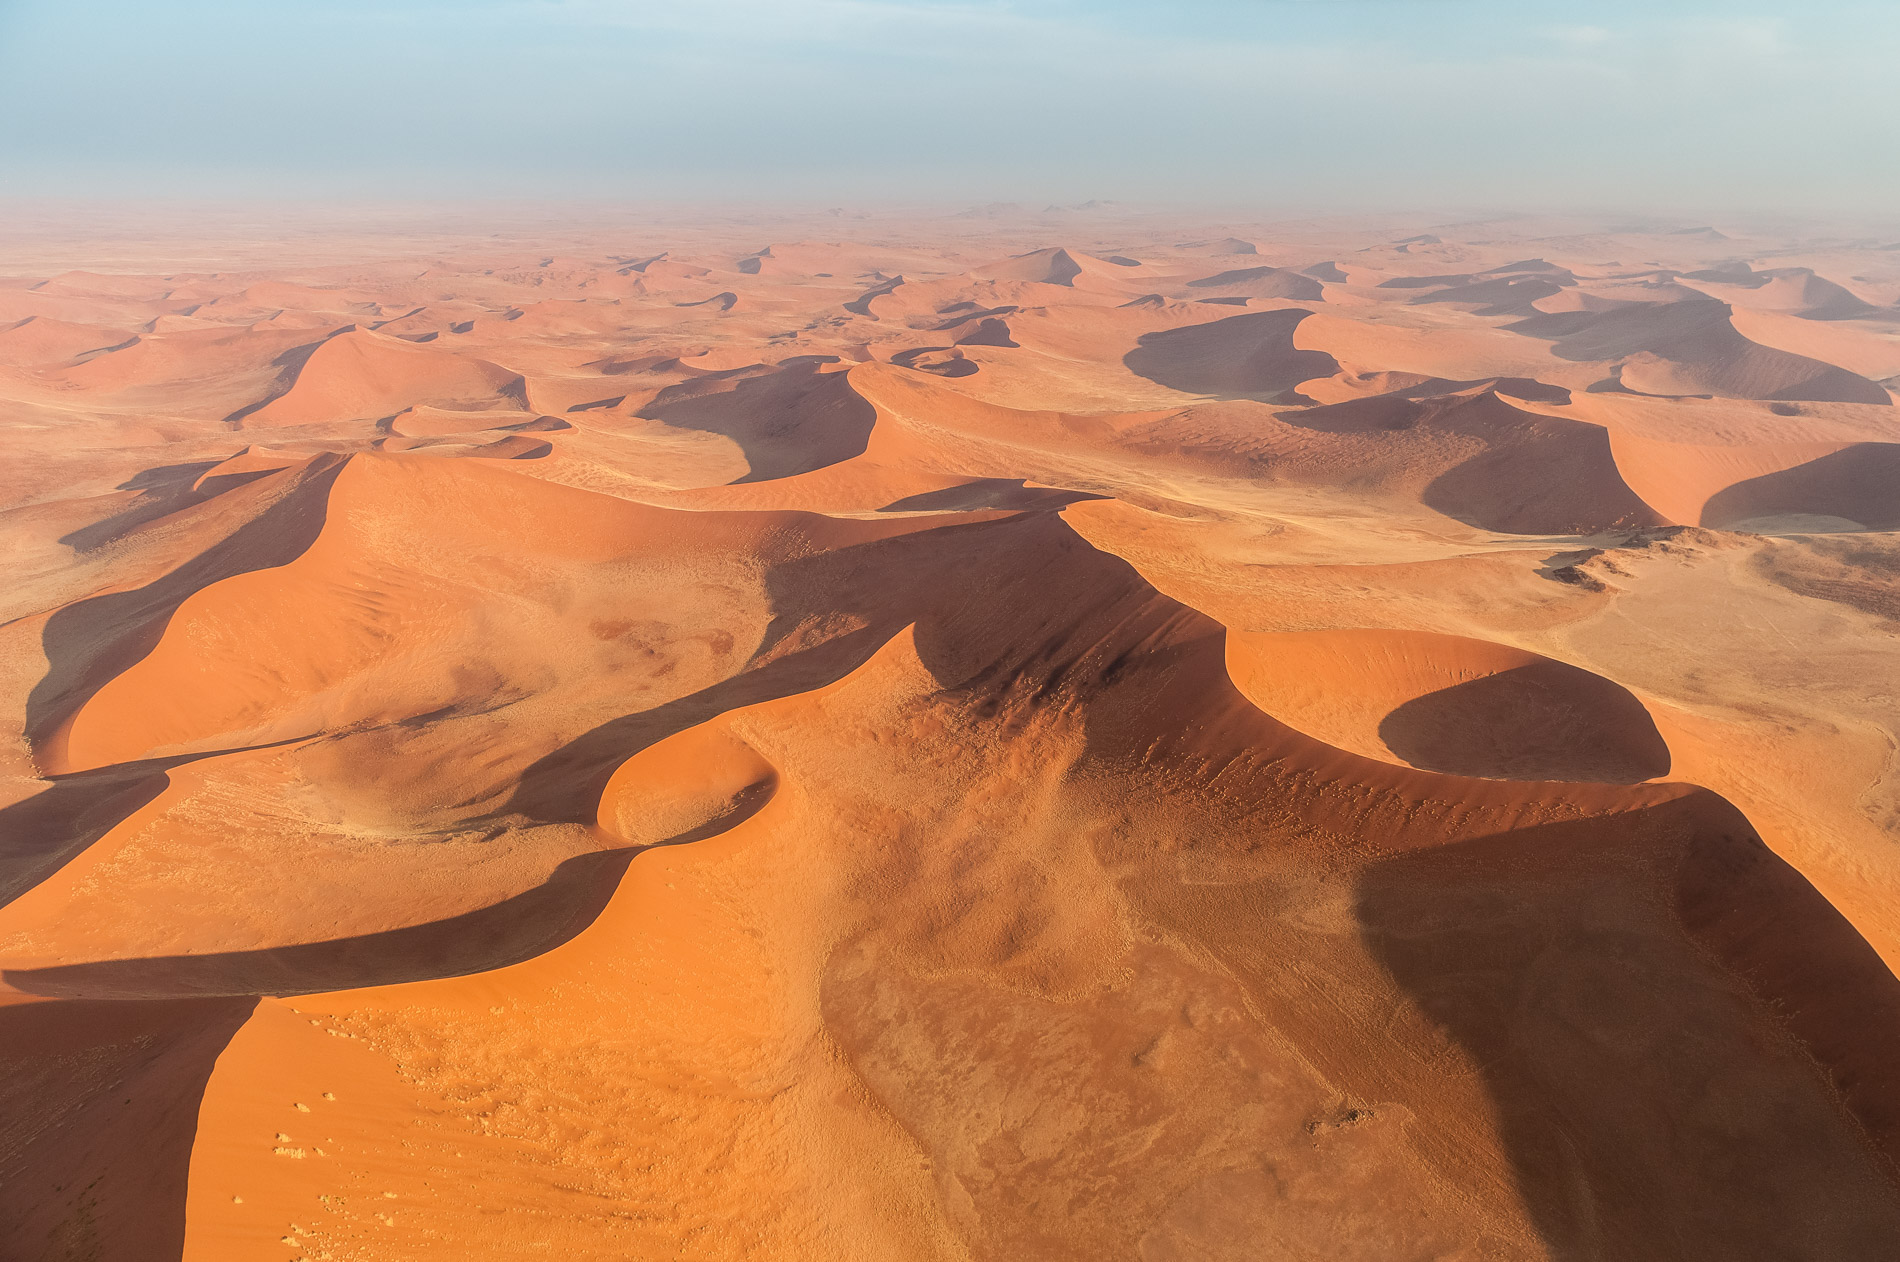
column 1010, row 737
column 694, row 784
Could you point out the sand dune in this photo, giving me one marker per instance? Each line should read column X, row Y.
column 787, row 422
column 43, row 340
column 1444, row 703
column 1796, row 290
column 1188, row 742
column 357, row 375
column 1261, row 282
column 1694, row 348
column 1856, row 484
column 1240, row 356
column 1073, row 269
column 1865, row 348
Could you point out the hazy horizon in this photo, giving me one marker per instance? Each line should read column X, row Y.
column 1295, row 105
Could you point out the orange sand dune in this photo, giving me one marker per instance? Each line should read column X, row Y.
column 1074, row 269
column 1449, row 704
column 267, row 298
column 1353, row 740
column 787, row 422
column 44, row 340
column 356, row 375
column 1259, row 282
column 193, row 370
column 1693, row 348
column 1865, row 347
column 1470, row 455
column 1240, row 356
column 25, row 303
column 88, row 284
column 1797, row 290
column 1686, row 482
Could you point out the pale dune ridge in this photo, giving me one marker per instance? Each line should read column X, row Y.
column 1062, row 736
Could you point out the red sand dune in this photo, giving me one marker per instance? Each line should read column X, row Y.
column 1260, row 282
column 1244, row 355
column 953, row 746
column 44, row 340
column 1694, row 348
column 1445, row 703
column 358, row 375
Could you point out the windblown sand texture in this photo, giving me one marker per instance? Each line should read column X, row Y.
column 1071, row 739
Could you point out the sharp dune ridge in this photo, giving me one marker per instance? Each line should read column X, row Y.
column 732, row 741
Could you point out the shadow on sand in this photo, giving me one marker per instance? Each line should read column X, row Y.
column 1688, row 1048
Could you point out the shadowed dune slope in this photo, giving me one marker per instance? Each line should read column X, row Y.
column 1694, row 348
column 1243, row 356
column 358, row 375
column 1262, row 282
column 406, row 559
column 1446, row 703
column 45, row 340
column 788, row 422
column 1471, row 456
column 90, row 643
column 1860, row 484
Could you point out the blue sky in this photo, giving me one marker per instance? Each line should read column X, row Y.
column 1282, row 104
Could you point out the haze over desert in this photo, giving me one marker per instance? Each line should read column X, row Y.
column 643, row 632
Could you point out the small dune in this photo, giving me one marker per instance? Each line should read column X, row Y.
column 787, row 422
column 1688, row 348
column 694, row 784
column 1262, row 282
column 358, row 375
column 44, row 340
column 1450, row 704
column 1244, row 356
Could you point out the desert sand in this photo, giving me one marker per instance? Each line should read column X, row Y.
column 1062, row 735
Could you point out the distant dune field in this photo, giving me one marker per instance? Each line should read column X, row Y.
column 1025, row 738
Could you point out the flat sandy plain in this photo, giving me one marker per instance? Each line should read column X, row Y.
column 1012, row 736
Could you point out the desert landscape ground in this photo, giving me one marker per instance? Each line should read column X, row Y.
column 1020, row 735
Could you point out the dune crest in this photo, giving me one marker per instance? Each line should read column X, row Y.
column 1445, row 703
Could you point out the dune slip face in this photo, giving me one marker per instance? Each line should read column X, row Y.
column 1004, row 737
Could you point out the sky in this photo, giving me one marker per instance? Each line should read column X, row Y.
column 1681, row 105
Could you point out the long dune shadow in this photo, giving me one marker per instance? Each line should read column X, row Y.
column 874, row 585
column 1248, row 356
column 39, row 834
column 289, row 365
column 963, row 586
column 1588, row 336
column 1689, row 1051
column 566, row 785
column 787, row 422
column 90, row 641
column 161, row 491
column 515, row 929
column 1700, row 334
column 101, row 1079
column 989, row 493
column 1551, row 477
column 98, row 1113
column 1860, row 483
column 1545, row 721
